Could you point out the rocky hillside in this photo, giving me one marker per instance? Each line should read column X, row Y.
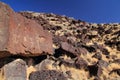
column 42, row 46
column 87, row 51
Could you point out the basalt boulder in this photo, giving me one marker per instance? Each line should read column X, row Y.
column 22, row 36
column 47, row 75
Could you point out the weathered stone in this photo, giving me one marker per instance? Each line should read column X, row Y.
column 82, row 51
column 22, row 36
column 47, row 75
column 81, row 63
column 69, row 48
column 98, row 56
column 68, row 63
column 56, row 28
column 103, row 50
column 45, row 65
column 116, row 61
column 108, row 31
column 15, row 70
column 58, row 39
column 97, row 78
column 103, row 63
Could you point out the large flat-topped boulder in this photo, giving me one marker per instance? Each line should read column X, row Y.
column 22, row 36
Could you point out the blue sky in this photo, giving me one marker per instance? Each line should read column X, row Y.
column 95, row 11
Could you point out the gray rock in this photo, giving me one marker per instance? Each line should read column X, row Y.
column 47, row 75
column 15, row 70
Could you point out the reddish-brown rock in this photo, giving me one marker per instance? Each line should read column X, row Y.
column 69, row 48
column 81, row 63
column 22, row 36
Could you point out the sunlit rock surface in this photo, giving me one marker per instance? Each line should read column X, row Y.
column 88, row 51
column 22, row 36
column 57, row 47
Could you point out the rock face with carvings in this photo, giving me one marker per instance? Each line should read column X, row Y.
column 22, row 36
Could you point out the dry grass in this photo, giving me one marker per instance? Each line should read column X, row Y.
column 29, row 70
column 89, row 59
column 77, row 74
column 2, row 75
column 113, row 66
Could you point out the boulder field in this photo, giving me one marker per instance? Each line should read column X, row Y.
column 47, row 46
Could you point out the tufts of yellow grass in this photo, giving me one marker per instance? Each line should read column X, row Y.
column 29, row 70
column 77, row 74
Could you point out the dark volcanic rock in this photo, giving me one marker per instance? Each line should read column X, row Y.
column 82, row 51
column 115, row 71
column 116, row 61
column 68, row 63
column 103, row 63
column 95, row 70
column 67, row 49
column 73, row 47
column 81, row 63
column 89, row 48
column 47, row 75
column 44, row 64
column 22, row 36
column 105, row 51
column 118, row 46
column 98, row 56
